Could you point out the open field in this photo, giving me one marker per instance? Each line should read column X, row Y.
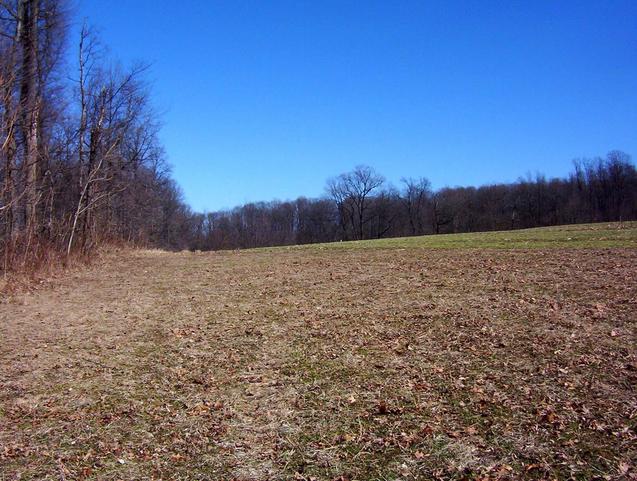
column 481, row 356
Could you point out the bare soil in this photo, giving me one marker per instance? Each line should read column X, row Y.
column 326, row 364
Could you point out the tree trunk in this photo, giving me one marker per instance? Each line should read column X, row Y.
column 8, row 148
column 29, row 104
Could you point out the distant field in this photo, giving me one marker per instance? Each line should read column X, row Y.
column 512, row 355
column 579, row 235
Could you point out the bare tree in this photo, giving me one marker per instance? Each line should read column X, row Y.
column 110, row 105
column 351, row 192
column 441, row 211
column 74, row 171
column 416, row 196
column 28, row 33
column 9, row 113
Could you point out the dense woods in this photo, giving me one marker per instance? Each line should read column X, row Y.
column 80, row 161
column 361, row 205
column 81, row 164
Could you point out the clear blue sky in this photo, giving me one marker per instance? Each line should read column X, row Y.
column 267, row 99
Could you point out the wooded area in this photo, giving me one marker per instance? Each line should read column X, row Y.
column 81, row 165
column 80, row 159
column 362, row 205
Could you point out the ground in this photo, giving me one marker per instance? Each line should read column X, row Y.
column 494, row 356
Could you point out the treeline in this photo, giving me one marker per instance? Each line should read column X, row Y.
column 362, row 205
column 80, row 161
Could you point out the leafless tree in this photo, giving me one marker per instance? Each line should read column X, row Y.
column 75, row 170
column 417, row 196
column 351, row 192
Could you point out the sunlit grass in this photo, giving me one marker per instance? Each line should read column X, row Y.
column 604, row 235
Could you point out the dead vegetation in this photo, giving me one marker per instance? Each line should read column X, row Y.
column 326, row 364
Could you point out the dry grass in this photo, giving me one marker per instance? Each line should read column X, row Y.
column 21, row 271
column 376, row 363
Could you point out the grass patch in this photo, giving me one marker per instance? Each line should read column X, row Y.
column 606, row 235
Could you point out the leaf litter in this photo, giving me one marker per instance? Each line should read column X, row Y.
column 326, row 364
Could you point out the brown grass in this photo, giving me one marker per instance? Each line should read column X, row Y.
column 32, row 264
column 325, row 364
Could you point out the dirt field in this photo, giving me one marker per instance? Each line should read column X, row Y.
column 391, row 362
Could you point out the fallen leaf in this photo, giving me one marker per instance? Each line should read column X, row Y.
column 623, row 467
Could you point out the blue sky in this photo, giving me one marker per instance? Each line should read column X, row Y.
column 267, row 99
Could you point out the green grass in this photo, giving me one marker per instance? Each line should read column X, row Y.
column 605, row 235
